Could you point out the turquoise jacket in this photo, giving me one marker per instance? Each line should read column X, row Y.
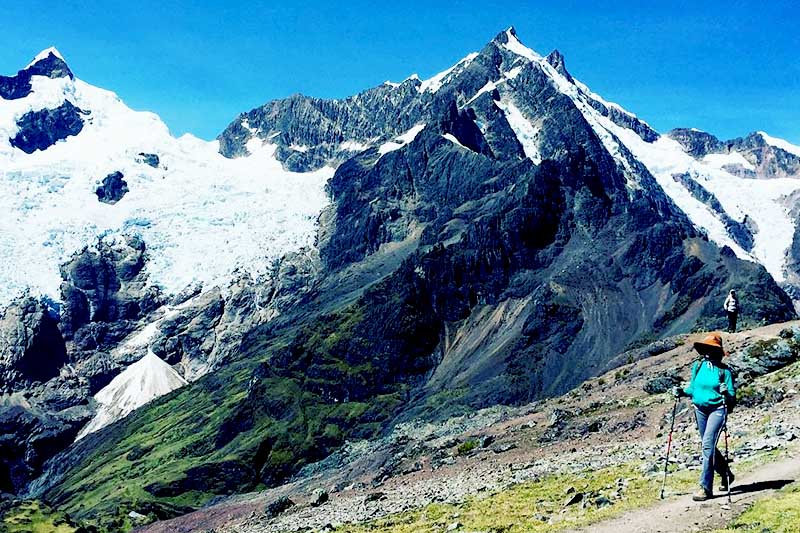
column 704, row 387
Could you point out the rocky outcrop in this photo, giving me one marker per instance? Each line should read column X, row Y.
column 19, row 86
column 151, row 160
column 187, row 337
column 39, row 130
column 112, row 190
column 52, row 65
column 697, row 143
column 557, row 61
column 29, row 436
column 320, row 127
column 769, row 161
column 31, row 346
column 105, row 285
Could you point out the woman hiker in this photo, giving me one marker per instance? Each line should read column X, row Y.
column 712, row 392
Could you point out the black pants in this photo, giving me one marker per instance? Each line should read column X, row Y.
column 732, row 316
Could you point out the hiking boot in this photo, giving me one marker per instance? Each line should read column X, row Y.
column 702, row 495
column 723, row 485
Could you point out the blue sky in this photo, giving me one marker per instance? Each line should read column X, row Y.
column 725, row 67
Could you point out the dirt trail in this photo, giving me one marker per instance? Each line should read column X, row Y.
column 680, row 513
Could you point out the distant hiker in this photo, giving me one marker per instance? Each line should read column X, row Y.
column 731, row 306
column 713, row 395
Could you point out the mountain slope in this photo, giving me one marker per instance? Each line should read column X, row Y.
column 491, row 239
column 512, row 467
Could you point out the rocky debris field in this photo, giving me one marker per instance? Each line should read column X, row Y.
column 617, row 422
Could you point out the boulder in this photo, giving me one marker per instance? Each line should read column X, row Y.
column 279, row 506
column 112, row 190
column 662, row 382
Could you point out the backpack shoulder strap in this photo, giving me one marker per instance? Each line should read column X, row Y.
column 696, row 368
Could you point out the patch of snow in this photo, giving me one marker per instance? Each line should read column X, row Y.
column 513, row 73
column 196, row 213
column 526, row 131
column 246, row 125
column 515, row 46
column 722, row 160
column 489, row 87
column 435, row 83
column 780, row 143
column 298, row 147
column 140, row 383
column 44, row 54
column 450, row 137
column 401, row 140
column 353, row 146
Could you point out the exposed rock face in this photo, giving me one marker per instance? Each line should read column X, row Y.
column 556, row 59
column 31, row 346
column 39, row 130
column 105, row 295
column 30, row 435
column 697, row 143
column 770, row 161
column 188, row 337
column 105, row 285
column 321, row 126
column 19, row 86
column 149, row 159
column 113, row 188
column 51, row 66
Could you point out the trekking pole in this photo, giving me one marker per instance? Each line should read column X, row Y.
column 669, row 446
column 727, row 459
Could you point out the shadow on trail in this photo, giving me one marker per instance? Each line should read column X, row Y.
column 759, row 486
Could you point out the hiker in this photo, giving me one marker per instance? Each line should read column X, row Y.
column 713, row 395
column 731, row 307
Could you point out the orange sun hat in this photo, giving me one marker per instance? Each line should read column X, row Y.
column 710, row 343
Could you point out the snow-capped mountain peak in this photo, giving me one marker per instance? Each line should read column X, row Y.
column 45, row 54
column 509, row 40
column 780, row 143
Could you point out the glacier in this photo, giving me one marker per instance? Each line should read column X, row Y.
column 201, row 215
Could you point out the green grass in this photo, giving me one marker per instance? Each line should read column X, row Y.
column 533, row 506
column 778, row 514
column 34, row 517
column 318, row 384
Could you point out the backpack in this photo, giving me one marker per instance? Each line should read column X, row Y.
column 730, row 401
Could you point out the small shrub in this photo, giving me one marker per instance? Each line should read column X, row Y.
column 465, row 447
